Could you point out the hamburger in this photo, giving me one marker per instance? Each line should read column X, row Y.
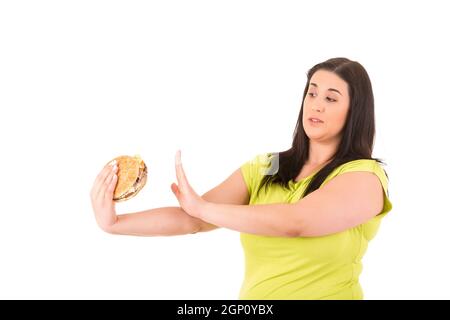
column 131, row 177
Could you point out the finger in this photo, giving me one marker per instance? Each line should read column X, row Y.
column 111, row 168
column 101, row 177
column 111, row 186
column 175, row 190
column 103, row 187
column 181, row 177
column 105, row 184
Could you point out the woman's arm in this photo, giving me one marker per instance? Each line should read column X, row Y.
column 166, row 221
column 346, row 201
column 170, row 221
column 160, row 221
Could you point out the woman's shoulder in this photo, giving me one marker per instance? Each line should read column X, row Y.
column 256, row 167
column 260, row 165
column 367, row 165
column 360, row 164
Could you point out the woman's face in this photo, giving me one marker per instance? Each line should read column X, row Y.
column 328, row 100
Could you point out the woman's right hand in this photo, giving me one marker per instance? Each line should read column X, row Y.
column 102, row 196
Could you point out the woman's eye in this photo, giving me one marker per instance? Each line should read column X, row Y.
column 328, row 98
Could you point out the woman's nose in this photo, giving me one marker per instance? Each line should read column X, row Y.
column 317, row 108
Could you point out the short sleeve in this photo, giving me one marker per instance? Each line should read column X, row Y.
column 254, row 170
column 375, row 168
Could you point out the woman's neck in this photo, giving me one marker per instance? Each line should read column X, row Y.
column 320, row 153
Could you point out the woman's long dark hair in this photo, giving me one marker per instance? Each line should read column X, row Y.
column 357, row 135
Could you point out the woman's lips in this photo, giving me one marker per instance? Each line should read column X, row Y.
column 315, row 121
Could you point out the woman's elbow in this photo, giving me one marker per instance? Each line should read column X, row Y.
column 107, row 228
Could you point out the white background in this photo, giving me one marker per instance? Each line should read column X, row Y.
column 84, row 81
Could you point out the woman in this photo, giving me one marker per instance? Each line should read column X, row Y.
column 306, row 214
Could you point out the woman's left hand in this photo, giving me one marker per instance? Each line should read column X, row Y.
column 189, row 200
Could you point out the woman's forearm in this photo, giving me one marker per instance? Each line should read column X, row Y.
column 166, row 221
column 279, row 219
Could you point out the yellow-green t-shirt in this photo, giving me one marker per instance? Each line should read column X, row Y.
column 325, row 267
